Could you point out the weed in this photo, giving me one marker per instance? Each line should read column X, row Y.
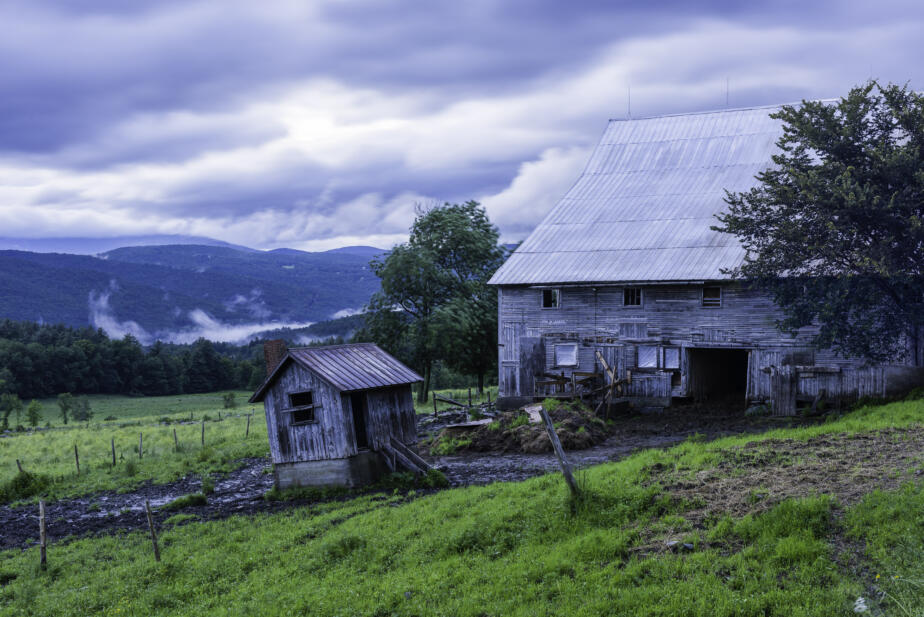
column 520, row 420
column 186, row 501
column 208, row 485
column 178, row 519
column 130, row 469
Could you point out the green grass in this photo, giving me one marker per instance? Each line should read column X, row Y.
column 126, row 408
column 47, row 455
column 504, row 549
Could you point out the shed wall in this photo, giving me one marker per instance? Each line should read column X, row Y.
column 324, row 439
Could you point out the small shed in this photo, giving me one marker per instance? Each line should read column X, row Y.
column 336, row 415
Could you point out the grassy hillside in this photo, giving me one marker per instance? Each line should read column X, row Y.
column 792, row 522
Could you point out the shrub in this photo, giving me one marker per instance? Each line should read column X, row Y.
column 208, row 485
column 24, row 485
column 228, row 400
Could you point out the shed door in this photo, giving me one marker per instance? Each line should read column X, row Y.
column 358, row 405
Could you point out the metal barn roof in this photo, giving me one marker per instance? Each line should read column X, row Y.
column 357, row 366
column 642, row 208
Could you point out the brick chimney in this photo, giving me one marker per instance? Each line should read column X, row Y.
column 273, row 353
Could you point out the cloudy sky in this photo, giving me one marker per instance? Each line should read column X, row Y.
column 314, row 125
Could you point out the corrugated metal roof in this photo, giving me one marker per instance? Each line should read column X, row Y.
column 642, row 208
column 357, row 366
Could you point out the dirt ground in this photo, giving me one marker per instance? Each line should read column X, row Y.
column 241, row 491
column 760, row 475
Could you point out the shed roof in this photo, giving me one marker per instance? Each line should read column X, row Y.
column 642, row 208
column 357, row 366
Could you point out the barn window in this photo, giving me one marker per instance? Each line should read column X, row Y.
column 566, row 355
column 647, row 356
column 712, row 296
column 551, row 298
column 302, row 407
column 632, row 296
column 671, row 357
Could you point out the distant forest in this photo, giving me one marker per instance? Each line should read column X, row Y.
column 38, row 361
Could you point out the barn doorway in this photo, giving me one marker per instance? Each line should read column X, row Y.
column 718, row 375
column 358, row 404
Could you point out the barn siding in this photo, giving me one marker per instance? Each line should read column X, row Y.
column 671, row 315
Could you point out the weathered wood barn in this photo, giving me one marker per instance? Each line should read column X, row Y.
column 337, row 415
column 626, row 265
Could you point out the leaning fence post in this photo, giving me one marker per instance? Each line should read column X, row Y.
column 77, row 459
column 560, row 453
column 176, row 442
column 19, row 466
column 147, row 509
column 42, row 536
column 203, row 432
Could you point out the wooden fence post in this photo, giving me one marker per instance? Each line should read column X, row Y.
column 560, row 453
column 77, row 459
column 434, row 404
column 176, row 442
column 19, row 466
column 147, row 509
column 247, row 430
column 140, row 444
column 203, row 432
column 469, row 397
column 42, row 536
column 112, row 442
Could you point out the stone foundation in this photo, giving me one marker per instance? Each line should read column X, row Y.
column 363, row 468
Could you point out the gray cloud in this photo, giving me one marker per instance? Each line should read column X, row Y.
column 312, row 124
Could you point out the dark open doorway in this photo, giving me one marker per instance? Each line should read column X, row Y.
column 358, row 403
column 718, row 375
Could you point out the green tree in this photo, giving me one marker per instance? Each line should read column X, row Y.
column 450, row 254
column 9, row 404
column 33, row 413
column 65, row 404
column 81, row 409
column 835, row 228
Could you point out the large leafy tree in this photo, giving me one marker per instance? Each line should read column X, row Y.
column 835, row 228
column 434, row 281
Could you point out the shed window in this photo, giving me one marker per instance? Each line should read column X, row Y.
column 647, row 356
column 712, row 296
column 566, row 355
column 632, row 296
column 551, row 298
column 302, row 407
column 671, row 357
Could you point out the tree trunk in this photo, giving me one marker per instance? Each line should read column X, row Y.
column 422, row 394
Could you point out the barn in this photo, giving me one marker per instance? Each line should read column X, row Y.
column 625, row 273
column 337, row 415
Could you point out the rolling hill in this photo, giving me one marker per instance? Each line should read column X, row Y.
column 176, row 292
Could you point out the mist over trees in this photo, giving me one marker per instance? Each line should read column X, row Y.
column 434, row 304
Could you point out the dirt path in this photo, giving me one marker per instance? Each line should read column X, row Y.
column 241, row 491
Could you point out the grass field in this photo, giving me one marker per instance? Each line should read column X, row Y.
column 48, row 454
column 805, row 548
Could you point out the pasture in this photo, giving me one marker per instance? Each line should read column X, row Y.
column 812, row 521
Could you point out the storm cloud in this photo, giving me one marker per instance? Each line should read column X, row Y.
column 316, row 125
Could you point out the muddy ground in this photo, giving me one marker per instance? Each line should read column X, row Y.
column 241, row 491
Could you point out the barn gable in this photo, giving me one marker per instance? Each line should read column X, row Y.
column 643, row 207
